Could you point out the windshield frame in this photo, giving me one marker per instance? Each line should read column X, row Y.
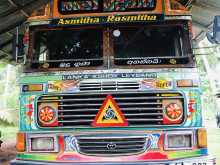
column 108, row 56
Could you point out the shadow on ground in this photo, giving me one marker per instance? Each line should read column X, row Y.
column 7, row 152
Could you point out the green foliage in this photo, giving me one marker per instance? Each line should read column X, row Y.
column 208, row 73
column 5, row 122
column 8, row 133
column 9, row 94
column 12, row 99
column 3, row 65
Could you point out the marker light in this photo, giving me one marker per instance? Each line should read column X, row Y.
column 32, row 88
column 202, row 138
column 185, row 83
column 21, row 145
column 42, row 144
column 116, row 33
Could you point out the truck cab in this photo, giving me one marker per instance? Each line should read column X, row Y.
column 111, row 82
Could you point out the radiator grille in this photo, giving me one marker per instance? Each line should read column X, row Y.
column 141, row 109
column 110, row 146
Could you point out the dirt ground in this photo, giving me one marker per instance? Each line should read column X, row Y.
column 7, row 152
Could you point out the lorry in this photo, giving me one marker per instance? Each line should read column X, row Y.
column 111, row 82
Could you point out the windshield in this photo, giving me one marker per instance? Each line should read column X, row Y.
column 150, row 45
column 67, row 48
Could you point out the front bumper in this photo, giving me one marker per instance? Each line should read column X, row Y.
column 191, row 161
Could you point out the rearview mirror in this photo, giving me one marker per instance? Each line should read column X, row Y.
column 214, row 37
column 20, row 46
column 18, row 53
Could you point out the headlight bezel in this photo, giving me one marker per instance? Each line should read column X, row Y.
column 54, row 138
column 180, row 133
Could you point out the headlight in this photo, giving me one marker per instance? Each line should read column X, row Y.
column 179, row 141
column 42, row 144
column 47, row 114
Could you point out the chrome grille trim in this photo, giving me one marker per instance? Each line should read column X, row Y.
column 77, row 105
column 81, row 108
column 124, row 114
column 109, row 86
column 121, row 145
column 127, row 143
column 95, row 99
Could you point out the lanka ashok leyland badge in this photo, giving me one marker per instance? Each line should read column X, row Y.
column 109, row 115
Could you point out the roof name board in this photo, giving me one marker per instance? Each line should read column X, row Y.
column 108, row 19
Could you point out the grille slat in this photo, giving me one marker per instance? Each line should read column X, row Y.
column 141, row 109
column 122, row 143
column 111, row 145
column 75, row 121
column 128, row 138
column 77, row 115
column 116, row 98
column 119, row 104
column 139, row 114
column 138, row 120
column 73, row 110
column 70, row 100
column 143, row 114
column 125, row 109
column 121, row 146
column 118, row 150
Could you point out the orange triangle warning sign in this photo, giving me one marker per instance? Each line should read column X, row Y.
column 109, row 115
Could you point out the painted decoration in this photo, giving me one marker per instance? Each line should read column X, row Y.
column 47, row 114
column 63, row 86
column 174, row 111
column 110, row 115
column 92, row 20
column 88, row 6
column 155, row 84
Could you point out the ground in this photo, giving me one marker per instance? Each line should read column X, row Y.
column 8, row 136
column 7, row 151
column 213, row 139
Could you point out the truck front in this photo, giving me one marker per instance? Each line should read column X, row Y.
column 115, row 84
